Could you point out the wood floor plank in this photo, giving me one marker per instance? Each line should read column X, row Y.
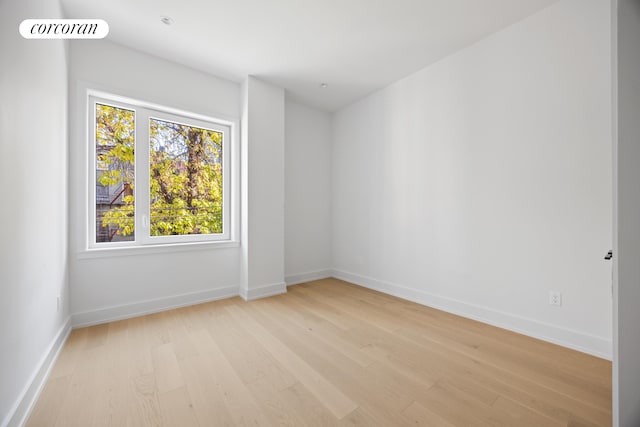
column 558, row 355
column 486, row 340
column 361, row 418
column 418, row 415
column 176, row 409
column 336, row 401
column 339, row 318
column 277, row 409
column 308, row 407
column 384, row 345
column 249, row 358
column 112, row 402
column 156, row 329
column 47, row 408
column 96, row 336
column 68, row 359
column 238, row 400
column 78, row 407
column 369, row 389
column 140, row 362
column 462, row 368
column 208, row 403
column 144, row 407
column 460, row 409
column 527, row 367
column 327, row 353
column 166, row 368
column 316, row 326
column 178, row 327
column 324, row 311
column 522, row 415
column 543, row 397
column 360, row 310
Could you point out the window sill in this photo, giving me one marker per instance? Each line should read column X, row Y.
column 155, row 249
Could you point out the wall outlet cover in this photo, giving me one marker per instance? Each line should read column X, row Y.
column 555, row 298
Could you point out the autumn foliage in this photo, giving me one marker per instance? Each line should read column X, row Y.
column 185, row 174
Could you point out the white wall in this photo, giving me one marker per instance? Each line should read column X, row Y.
column 626, row 377
column 307, row 193
column 263, row 189
column 107, row 287
column 483, row 182
column 33, row 246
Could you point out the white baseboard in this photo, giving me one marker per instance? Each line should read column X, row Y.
column 126, row 311
column 22, row 408
column 263, row 291
column 576, row 340
column 310, row 276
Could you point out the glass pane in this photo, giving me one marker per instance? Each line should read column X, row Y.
column 115, row 178
column 185, row 179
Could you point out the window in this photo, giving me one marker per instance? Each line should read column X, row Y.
column 157, row 176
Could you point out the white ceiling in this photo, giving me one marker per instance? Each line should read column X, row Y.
column 356, row 46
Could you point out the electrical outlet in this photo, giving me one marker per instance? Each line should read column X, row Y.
column 58, row 301
column 555, row 298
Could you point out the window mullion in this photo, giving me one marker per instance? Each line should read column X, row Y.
column 142, row 176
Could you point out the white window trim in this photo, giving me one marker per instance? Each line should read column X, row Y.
column 144, row 243
column 127, row 251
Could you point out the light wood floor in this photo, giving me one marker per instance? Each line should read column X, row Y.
column 326, row 353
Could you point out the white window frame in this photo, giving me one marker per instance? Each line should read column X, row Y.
column 145, row 111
